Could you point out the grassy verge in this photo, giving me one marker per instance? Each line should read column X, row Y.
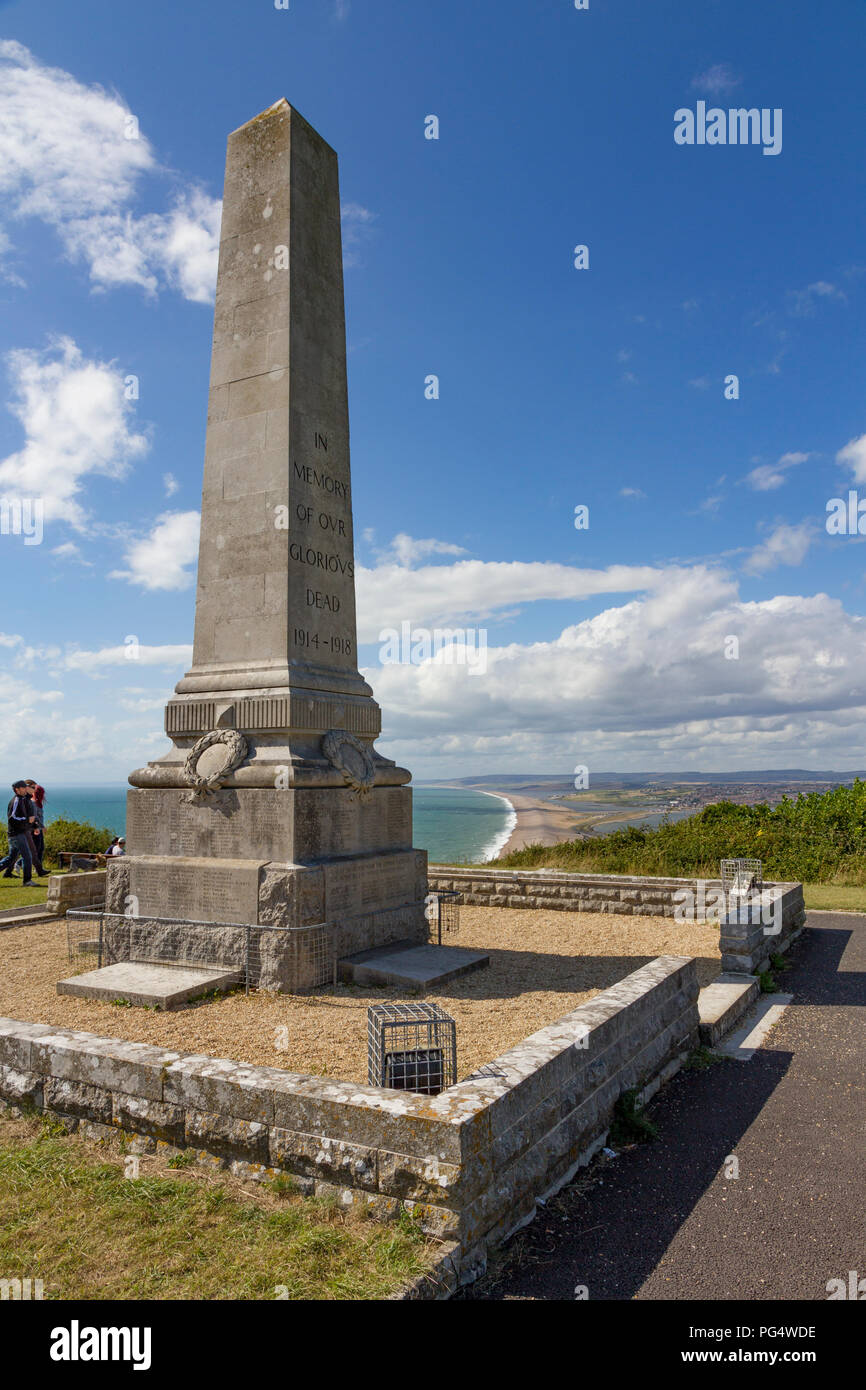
column 70, row 1216
column 835, row 897
column 13, row 895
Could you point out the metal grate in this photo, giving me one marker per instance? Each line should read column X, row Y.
column 442, row 911
column 313, row 959
column 263, row 957
column 84, row 938
column 411, row 1047
column 742, row 878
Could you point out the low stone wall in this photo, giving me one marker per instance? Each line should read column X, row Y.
column 470, row 1163
column 746, row 947
column 79, row 890
column 750, row 938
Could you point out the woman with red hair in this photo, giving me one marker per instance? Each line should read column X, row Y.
column 37, row 838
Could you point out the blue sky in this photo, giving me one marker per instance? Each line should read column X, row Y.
column 608, row 646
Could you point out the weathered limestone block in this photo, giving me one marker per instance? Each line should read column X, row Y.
column 16, row 1041
column 419, row 1179
column 20, row 1087
column 290, row 896
column 78, row 1100
column 116, row 886
column 325, row 1159
column 150, row 1118
column 215, row 1084
column 128, row 1067
column 75, row 890
column 226, row 1137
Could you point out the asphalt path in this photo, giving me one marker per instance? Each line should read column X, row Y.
column 668, row 1220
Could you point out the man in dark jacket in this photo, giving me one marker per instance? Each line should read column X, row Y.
column 20, row 819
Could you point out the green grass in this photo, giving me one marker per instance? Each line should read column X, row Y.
column 69, row 1216
column 835, row 897
column 13, row 895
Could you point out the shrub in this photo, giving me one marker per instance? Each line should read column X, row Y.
column 75, row 834
column 819, row 837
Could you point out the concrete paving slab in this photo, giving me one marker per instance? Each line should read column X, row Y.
column 148, row 984
column 742, row 1044
column 406, row 963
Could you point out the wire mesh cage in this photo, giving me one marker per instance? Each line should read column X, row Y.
column 742, row 878
column 313, row 961
column 443, row 915
column 287, row 959
column 84, row 939
column 411, row 1047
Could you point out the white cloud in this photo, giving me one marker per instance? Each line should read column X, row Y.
column 785, row 545
column 160, row 559
column 65, row 159
column 170, row 483
column 169, row 656
column 472, row 589
column 406, row 550
column 648, row 679
column 853, row 456
column 719, row 78
column 768, row 476
column 76, row 422
column 802, row 302
column 357, row 223
column 70, row 551
column 636, row 492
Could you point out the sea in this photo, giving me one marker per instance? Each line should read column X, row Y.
column 454, row 825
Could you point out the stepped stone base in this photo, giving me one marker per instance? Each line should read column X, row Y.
column 408, row 964
column 154, row 986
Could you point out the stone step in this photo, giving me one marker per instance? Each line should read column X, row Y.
column 722, row 1004
column 410, row 964
column 148, row 984
column 19, row 916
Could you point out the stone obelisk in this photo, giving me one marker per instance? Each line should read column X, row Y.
column 272, row 805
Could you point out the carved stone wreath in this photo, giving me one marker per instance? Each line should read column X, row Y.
column 352, row 758
column 206, row 774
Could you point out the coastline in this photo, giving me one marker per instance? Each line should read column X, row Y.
column 497, row 845
column 534, row 822
column 539, row 823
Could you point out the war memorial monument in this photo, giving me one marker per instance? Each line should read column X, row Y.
column 272, row 805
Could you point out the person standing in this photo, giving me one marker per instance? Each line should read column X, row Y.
column 37, row 796
column 20, row 817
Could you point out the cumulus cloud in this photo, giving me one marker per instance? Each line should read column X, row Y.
column 768, row 476
column 648, row 677
column 853, row 456
column 160, row 559
column 76, row 422
column 470, row 589
column 785, row 545
column 66, row 158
